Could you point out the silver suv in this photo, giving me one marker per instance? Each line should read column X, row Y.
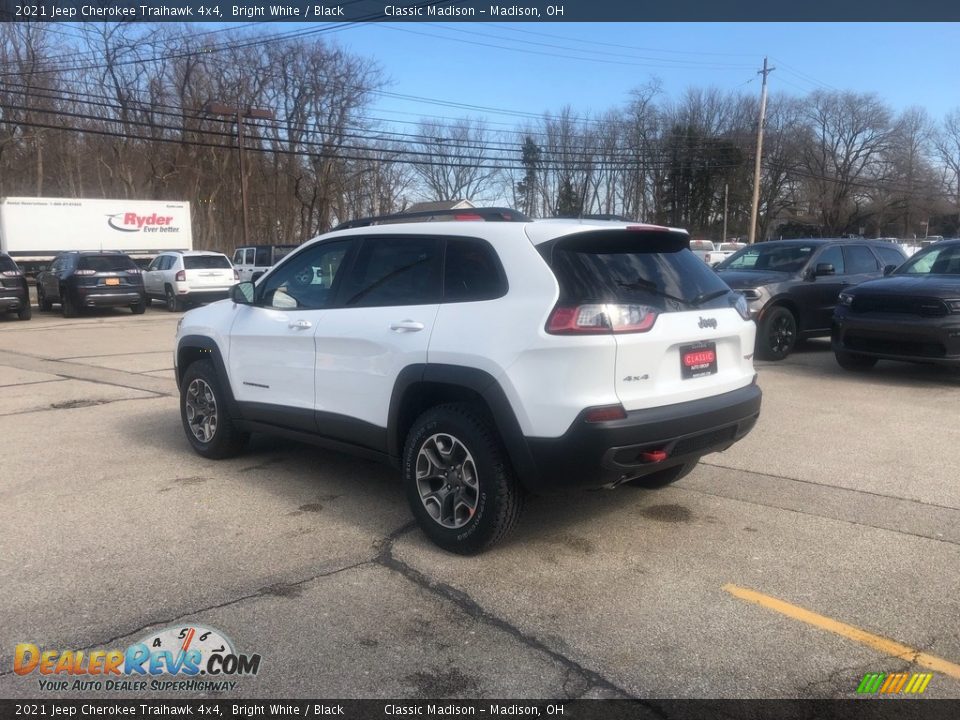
column 181, row 278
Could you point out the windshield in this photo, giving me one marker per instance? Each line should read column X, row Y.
column 622, row 268
column 779, row 258
column 105, row 263
column 935, row 260
column 205, row 262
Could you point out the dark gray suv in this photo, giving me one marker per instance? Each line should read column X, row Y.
column 792, row 285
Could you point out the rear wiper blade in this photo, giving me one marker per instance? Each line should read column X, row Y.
column 704, row 297
column 651, row 287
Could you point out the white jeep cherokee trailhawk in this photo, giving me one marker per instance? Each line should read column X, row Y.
column 484, row 359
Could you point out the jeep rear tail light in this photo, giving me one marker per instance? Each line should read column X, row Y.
column 84, row 272
column 11, row 273
column 236, row 275
column 597, row 318
column 134, row 271
column 180, row 276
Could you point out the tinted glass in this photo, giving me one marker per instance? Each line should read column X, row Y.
column 781, row 258
column 394, row 271
column 205, row 262
column 890, row 256
column 472, row 272
column 833, row 256
column 263, row 257
column 306, row 281
column 627, row 269
column 155, row 265
column 938, row 260
column 105, row 263
column 7, row 265
column 281, row 252
column 238, row 257
column 860, row 260
column 248, row 256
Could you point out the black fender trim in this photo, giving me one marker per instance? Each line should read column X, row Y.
column 478, row 381
column 210, row 351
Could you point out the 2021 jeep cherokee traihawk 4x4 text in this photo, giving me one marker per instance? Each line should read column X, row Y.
column 484, row 359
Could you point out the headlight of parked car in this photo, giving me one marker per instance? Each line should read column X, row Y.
column 846, row 299
column 742, row 307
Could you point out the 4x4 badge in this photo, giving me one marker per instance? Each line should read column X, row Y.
column 708, row 323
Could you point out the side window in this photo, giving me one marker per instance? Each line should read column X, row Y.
column 889, row 256
column 860, row 260
column 394, row 271
column 306, row 282
column 263, row 257
column 155, row 264
column 165, row 262
column 832, row 256
column 472, row 272
column 248, row 256
column 238, row 257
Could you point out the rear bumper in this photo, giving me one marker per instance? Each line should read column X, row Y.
column 895, row 336
column 595, row 454
column 12, row 302
column 203, row 294
column 109, row 299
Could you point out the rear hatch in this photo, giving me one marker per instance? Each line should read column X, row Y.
column 11, row 279
column 678, row 330
column 106, row 274
column 208, row 272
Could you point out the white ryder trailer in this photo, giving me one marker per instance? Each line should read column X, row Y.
column 33, row 230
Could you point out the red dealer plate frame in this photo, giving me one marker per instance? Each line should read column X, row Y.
column 698, row 360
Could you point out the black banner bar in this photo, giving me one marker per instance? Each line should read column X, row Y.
column 323, row 11
column 863, row 709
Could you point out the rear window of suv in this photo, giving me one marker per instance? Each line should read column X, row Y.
column 105, row 263
column 205, row 262
column 7, row 265
column 634, row 268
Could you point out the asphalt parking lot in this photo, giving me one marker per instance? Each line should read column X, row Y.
column 822, row 547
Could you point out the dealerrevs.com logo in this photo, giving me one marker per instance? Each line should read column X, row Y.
column 191, row 658
column 152, row 223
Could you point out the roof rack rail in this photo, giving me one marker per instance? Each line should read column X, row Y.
column 488, row 214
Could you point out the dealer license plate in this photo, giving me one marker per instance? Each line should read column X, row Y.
column 698, row 360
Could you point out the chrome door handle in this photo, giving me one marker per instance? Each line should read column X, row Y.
column 300, row 325
column 406, row 326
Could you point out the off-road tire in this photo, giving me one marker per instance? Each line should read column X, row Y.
column 226, row 439
column 25, row 313
column 42, row 302
column 139, row 308
column 499, row 494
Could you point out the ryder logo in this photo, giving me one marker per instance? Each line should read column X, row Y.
column 131, row 222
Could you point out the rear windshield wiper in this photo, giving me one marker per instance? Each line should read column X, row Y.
column 652, row 288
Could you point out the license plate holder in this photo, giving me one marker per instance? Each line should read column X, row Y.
column 698, row 360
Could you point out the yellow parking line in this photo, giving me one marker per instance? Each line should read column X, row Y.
column 877, row 642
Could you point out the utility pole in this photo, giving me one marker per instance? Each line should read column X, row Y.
column 726, row 191
column 754, row 206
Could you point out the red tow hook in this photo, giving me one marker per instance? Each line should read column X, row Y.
column 654, row 456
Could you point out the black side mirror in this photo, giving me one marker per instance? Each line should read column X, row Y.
column 242, row 293
column 887, row 269
column 824, row 269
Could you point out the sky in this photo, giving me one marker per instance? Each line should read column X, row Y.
column 540, row 67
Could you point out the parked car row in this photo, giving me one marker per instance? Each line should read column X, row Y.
column 78, row 280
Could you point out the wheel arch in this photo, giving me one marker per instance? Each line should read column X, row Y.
column 784, row 301
column 420, row 387
column 193, row 348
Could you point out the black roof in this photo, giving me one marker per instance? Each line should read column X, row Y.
column 824, row 241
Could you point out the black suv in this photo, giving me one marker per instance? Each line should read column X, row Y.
column 912, row 314
column 14, row 295
column 78, row 280
column 792, row 285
